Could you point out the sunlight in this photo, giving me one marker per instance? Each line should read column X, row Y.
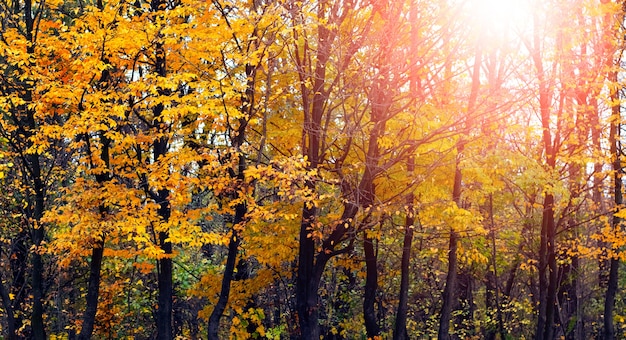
column 501, row 16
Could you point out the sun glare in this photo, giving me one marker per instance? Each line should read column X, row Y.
column 501, row 16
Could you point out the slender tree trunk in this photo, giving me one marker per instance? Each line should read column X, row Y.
column 37, row 323
column 552, row 274
column 37, row 233
column 97, row 252
column 9, row 312
column 93, row 290
column 165, row 281
column 229, row 271
column 247, row 108
column 449, row 290
column 34, row 166
column 18, row 263
column 608, row 332
column 494, row 273
column 547, row 257
column 160, row 149
column 233, row 251
column 400, row 332
column 368, row 192
column 371, row 286
column 311, row 263
column 164, row 264
column 306, row 289
column 449, row 296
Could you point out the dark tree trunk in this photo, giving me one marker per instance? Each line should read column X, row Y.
column 608, row 332
column 371, row 286
column 93, row 291
column 449, row 298
column 568, row 300
column 97, row 252
column 160, row 149
column 165, row 281
column 34, row 167
column 306, row 289
column 490, row 303
column 18, row 262
column 493, row 281
column 400, row 332
column 37, row 324
column 311, row 263
column 231, row 259
column 547, row 274
column 547, row 257
column 164, row 272
column 220, row 306
column 9, row 313
column 449, row 290
column 239, row 136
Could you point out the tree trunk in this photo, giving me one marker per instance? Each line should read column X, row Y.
column 37, row 324
column 400, row 332
column 547, row 257
column 306, row 289
column 547, row 273
column 371, row 285
column 449, row 290
column 18, row 263
column 160, row 149
column 608, row 332
column 97, row 252
column 449, row 296
column 220, row 306
column 164, row 272
column 8, row 310
column 93, row 290
column 38, row 230
column 493, row 278
column 233, row 251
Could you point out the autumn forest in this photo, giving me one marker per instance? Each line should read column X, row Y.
column 336, row 169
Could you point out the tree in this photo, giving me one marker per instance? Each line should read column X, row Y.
column 30, row 125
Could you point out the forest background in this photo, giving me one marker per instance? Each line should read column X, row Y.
column 280, row 169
